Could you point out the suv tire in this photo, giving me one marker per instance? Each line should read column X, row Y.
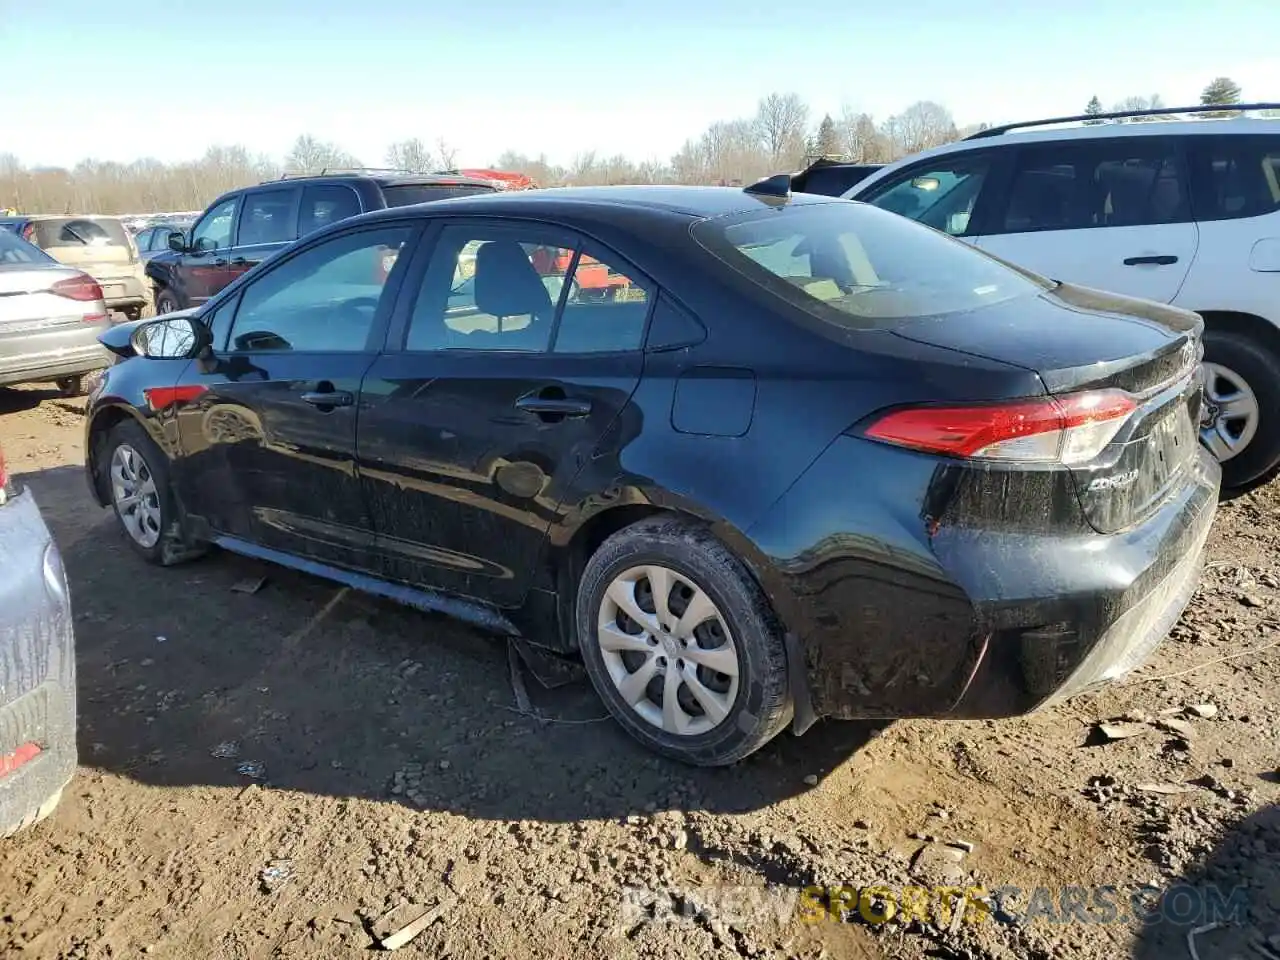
column 1243, row 359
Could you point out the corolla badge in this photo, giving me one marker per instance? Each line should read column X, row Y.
column 1114, row 482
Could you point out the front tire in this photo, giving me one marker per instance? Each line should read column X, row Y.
column 1241, row 425
column 681, row 644
column 73, row 386
column 137, row 482
column 166, row 302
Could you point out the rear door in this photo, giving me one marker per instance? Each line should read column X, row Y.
column 498, row 384
column 1111, row 214
column 266, row 224
column 269, row 445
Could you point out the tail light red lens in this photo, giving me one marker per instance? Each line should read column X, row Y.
column 1068, row 429
column 158, row 398
column 83, row 287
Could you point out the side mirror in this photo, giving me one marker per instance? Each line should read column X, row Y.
column 171, row 338
column 177, row 242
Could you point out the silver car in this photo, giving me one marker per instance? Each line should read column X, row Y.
column 37, row 664
column 51, row 316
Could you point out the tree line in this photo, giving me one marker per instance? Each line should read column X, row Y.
column 782, row 134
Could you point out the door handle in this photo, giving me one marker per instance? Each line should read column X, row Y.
column 554, row 408
column 238, row 261
column 328, row 398
column 1163, row 260
column 219, row 262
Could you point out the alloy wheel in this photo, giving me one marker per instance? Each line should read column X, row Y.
column 668, row 650
column 1230, row 417
column 136, row 498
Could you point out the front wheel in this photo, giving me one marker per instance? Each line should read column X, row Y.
column 681, row 644
column 137, row 479
column 1240, row 421
column 166, row 302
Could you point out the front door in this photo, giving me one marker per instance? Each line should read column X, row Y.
column 492, row 397
column 270, row 440
column 1111, row 214
column 204, row 269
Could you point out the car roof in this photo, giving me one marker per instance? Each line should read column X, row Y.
column 654, row 202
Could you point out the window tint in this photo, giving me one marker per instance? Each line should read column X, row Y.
column 13, row 250
column 323, row 299
column 403, row 194
column 214, row 231
column 80, row 232
column 1236, row 176
column 219, row 322
column 323, row 204
column 605, row 309
column 1109, row 183
column 856, row 266
column 941, row 196
column 267, row 218
column 489, row 289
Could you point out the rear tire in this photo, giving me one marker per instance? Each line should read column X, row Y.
column 672, row 571
column 137, row 484
column 42, row 812
column 1241, row 375
column 73, row 386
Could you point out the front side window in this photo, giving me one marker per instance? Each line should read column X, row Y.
column 1235, row 176
column 1126, row 182
column 213, row 232
column 324, row 299
column 267, row 218
column 859, row 267
column 940, row 195
column 490, row 289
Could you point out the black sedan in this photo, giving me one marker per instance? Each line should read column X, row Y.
column 757, row 458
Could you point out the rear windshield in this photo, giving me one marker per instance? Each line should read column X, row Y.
column 858, row 266
column 403, row 194
column 14, row 250
column 80, row 232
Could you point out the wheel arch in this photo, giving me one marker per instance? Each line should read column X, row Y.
column 104, row 420
column 1256, row 328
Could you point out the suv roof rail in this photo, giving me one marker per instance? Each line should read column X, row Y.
column 338, row 171
column 1124, row 114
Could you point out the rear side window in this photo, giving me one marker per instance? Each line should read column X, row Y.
column 1127, row 182
column 326, row 203
column 84, row 232
column 1235, row 176
column 403, row 194
column 860, row 267
column 267, row 217
column 13, row 250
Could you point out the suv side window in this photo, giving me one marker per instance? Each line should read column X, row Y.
column 1235, row 176
column 322, row 300
column 326, row 203
column 1125, row 182
column 491, row 288
column 941, row 194
column 267, row 217
column 213, row 232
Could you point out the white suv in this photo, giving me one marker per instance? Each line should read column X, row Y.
column 1182, row 211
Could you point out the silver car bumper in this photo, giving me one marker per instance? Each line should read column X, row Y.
column 37, row 668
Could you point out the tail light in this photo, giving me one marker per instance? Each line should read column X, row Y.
column 83, row 288
column 1069, row 429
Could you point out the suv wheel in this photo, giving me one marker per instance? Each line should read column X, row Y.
column 73, row 386
column 680, row 643
column 166, row 301
column 1240, row 423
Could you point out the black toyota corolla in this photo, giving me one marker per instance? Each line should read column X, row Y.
column 756, row 457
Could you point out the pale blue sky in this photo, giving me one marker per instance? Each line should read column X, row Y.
column 85, row 77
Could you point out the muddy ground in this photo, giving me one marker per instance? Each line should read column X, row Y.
column 395, row 766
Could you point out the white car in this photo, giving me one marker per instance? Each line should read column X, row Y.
column 1181, row 211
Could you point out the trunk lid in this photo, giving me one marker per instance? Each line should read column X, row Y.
column 1080, row 339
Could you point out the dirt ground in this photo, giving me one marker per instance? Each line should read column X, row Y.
column 395, row 766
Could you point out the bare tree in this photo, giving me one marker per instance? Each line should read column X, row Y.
column 1152, row 102
column 448, row 154
column 863, row 142
column 309, row 155
column 922, row 125
column 412, row 155
column 781, row 119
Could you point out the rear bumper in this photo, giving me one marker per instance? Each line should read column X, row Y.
column 899, row 618
column 37, row 666
column 52, row 365
column 122, row 292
